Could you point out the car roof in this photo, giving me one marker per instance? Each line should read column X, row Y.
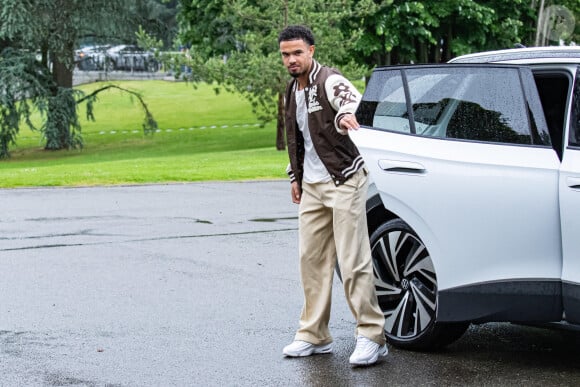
column 529, row 55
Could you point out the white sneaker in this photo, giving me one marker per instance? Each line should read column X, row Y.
column 300, row 348
column 367, row 352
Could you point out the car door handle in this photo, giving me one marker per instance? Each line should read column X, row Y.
column 573, row 182
column 401, row 166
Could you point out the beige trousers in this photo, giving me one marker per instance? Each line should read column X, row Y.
column 332, row 225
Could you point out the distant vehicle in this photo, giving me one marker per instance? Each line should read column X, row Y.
column 131, row 58
column 91, row 58
column 121, row 57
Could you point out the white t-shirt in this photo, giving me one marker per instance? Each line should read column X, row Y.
column 314, row 169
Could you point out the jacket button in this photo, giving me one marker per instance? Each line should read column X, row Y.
column 337, row 182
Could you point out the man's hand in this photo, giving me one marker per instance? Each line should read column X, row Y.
column 295, row 192
column 349, row 122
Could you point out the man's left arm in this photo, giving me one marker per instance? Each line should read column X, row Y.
column 344, row 98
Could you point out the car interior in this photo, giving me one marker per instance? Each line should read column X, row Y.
column 553, row 88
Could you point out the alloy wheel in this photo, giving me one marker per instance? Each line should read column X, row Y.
column 405, row 281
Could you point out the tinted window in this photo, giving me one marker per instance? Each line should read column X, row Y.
column 553, row 89
column 472, row 103
column 391, row 112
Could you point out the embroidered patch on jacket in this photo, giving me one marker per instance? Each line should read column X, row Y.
column 344, row 92
column 313, row 104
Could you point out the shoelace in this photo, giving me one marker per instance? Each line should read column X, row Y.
column 361, row 343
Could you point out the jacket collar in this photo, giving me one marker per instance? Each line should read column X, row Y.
column 314, row 70
column 312, row 75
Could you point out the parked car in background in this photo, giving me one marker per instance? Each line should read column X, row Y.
column 121, row 58
column 474, row 207
column 91, row 58
column 131, row 58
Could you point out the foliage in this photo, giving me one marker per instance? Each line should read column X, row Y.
column 399, row 31
column 60, row 112
column 42, row 35
column 20, row 75
column 237, row 42
column 157, row 18
column 434, row 31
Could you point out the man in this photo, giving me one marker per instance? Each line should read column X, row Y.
column 329, row 182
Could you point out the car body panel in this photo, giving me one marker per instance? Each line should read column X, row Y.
column 570, row 209
column 570, row 213
column 529, row 55
column 458, row 178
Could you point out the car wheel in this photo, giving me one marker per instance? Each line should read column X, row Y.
column 406, row 286
column 89, row 64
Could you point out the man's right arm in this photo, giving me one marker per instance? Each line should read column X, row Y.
column 295, row 192
column 295, row 188
column 344, row 98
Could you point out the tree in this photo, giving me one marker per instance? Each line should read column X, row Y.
column 38, row 39
column 436, row 30
column 237, row 42
column 158, row 18
column 399, row 31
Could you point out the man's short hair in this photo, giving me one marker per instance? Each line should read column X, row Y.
column 296, row 32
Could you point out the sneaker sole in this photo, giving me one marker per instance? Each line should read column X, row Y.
column 310, row 352
column 382, row 353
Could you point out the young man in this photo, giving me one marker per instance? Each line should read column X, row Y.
column 329, row 182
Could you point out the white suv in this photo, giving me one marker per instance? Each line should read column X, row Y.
column 474, row 209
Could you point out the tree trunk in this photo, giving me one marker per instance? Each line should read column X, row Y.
column 447, row 51
column 61, row 107
column 422, row 56
column 62, row 74
column 280, row 140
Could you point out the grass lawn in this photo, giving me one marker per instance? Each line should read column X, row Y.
column 202, row 136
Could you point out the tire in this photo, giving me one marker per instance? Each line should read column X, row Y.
column 406, row 286
column 87, row 64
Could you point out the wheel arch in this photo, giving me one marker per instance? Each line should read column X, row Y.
column 378, row 213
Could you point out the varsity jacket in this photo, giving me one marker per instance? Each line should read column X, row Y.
column 328, row 96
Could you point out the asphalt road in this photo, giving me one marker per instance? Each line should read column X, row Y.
column 197, row 284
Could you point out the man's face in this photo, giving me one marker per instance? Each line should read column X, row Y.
column 296, row 56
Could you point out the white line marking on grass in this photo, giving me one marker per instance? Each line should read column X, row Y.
column 168, row 130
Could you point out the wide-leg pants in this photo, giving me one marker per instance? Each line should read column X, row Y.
column 332, row 225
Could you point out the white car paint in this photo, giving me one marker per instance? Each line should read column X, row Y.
column 460, row 194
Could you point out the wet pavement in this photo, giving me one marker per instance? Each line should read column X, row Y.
column 197, row 284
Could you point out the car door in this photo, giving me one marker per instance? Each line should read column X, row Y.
column 461, row 154
column 570, row 210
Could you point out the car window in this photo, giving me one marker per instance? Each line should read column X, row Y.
column 553, row 87
column 392, row 111
column 574, row 136
column 470, row 103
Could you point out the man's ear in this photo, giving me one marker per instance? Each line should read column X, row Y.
column 311, row 50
